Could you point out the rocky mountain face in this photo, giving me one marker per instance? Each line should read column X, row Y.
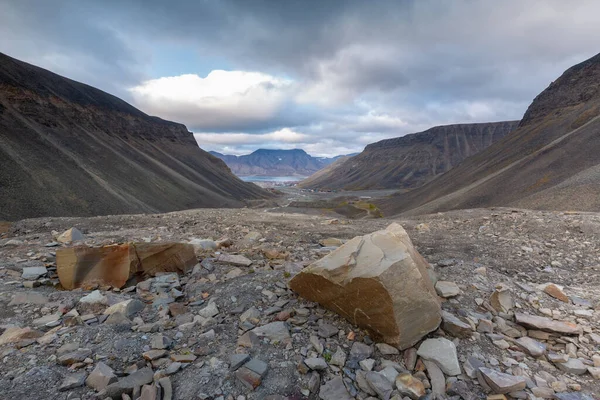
column 410, row 161
column 268, row 162
column 552, row 161
column 70, row 149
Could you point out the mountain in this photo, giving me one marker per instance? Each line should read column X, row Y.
column 410, row 161
column 268, row 162
column 68, row 149
column 552, row 161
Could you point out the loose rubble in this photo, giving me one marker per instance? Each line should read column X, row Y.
column 229, row 327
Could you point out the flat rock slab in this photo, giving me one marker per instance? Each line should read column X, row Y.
column 334, row 390
column 572, row 366
column 101, row 377
column 33, row 272
column 126, row 385
column 500, row 382
column 274, row 331
column 531, row 346
column 379, row 282
column 447, row 289
column 547, row 324
column 234, row 259
column 442, row 352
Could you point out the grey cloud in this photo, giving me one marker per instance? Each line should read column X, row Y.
column 421, row 62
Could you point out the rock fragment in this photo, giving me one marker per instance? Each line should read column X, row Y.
column 442, row 352
column 556, row 292
column 500, row 382
column 501, row 299
column 447, row 289
column 546, row 324
column 368, row 279
column 334, row 390
column 410, row 386
column 69, row 236
column 101, row 377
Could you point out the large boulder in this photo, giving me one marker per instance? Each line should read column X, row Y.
column 83, row 266
column 379, row 282
column 114, row 265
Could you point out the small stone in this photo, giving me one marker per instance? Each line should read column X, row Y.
column 127, row 384
column 95, row 297
column 234, row 259
column 248, row 378
column 167, row 388
column 339, row 357
column 258, row 366
column 237, row 360
column 101, row 377
column 316, row 363
column 436, row 376
column 485, row 326
column 274, row 331
column 556, row 292
column 410, row 386
column 154, row 354
column 443, row 353
column 367, row 364
column 410, row 358
column 160, row 342
column 596, row 360
column 73, row 357
column 455, row 325
column 501, row 299
column 209, row 311
column 386, row 349
column 149, row 392
column 447, row 289
column 594, row 372
column 380, row 384
column 129, row 308
column 327, row 330
column 173, row 368
column 531, row 346
column 183, row 358
column 69, row 236
column 500, row 382
column 33, row 273
column 572, row 366
column 334, row 390
column 546, row 324
column 72, row 381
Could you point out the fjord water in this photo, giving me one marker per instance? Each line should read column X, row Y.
column 260, row 178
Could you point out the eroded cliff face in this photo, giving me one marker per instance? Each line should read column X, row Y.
column 411, row 161
column 551, row 162
column 70, row 149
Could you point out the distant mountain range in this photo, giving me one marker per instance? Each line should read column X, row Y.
column 68, row 149
column 410, row 161
column 551, row 161
column 267, row 162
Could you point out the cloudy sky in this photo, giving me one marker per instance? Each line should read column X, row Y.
column 327, row 76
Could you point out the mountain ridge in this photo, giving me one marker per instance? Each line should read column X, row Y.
column 275, row 162
column 550, row 162
column 70, row 149
column 412, row 160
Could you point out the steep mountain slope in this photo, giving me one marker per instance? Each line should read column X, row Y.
column 315, row 178
column 70, row 149
column 274, row 162
column 412, row 160
column 552, row 161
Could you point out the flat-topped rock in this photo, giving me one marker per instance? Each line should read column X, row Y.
column 500, row 382
column 547, row 324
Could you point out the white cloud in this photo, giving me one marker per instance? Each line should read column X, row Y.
column 221, row 99
column 285, row 135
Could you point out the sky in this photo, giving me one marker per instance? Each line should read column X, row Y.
column 326, row 76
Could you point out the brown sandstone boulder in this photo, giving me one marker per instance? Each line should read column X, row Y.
column 165, row 257
column 113, row 265
column 379, row 282
column 83, row 266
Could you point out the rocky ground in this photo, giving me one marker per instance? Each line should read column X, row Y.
column 231, row 328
